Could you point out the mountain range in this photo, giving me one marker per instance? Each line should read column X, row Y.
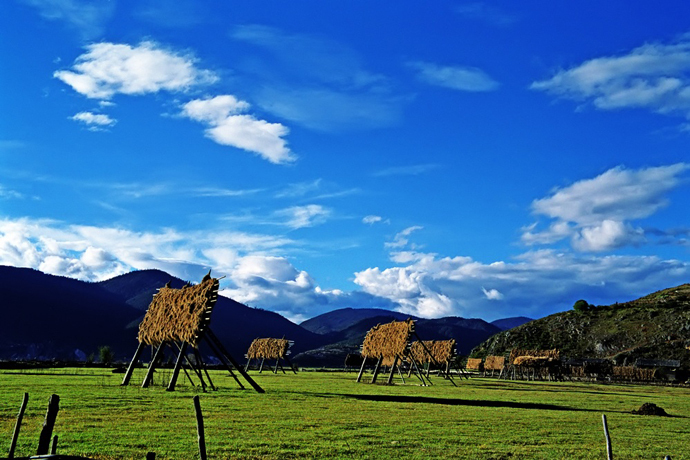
column 53, row 317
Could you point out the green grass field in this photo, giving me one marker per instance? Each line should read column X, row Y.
column 329, row 415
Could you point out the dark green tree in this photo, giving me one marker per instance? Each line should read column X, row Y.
column 105, row 355
column 581, row 305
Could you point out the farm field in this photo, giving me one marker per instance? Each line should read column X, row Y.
column 329, row 415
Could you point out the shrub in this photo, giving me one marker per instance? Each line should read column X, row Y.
column 105, row 354
column 581, row 305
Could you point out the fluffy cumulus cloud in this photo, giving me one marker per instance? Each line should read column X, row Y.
column 94, row 121
column 536, row 283
column 454, row 77
column 107, row 69
column 228, row 125
column 654, row 76
column 596, row 213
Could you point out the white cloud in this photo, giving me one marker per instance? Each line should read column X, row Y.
column 454, row 77
column 370, row 220
column 107, row 69
column 228, row 126
column 594, row 213
column 654, row 76
column 304, row 216
column 536, row 283
column 492, row 294
column 86, row 16
column 401, row 239
column 94, row 120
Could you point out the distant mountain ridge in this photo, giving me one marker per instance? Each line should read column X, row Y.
column 343, row 318
column 508, row 323
column 47, row 316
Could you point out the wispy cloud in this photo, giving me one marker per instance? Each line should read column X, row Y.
column 304, row 216
column 95, row 121
column 454, row 77
column 654, row 76
column 87, row 17
column 596, row 213
column 302, row 77
column 229, row 126
column 107, row 69
column 487, row 13
column 412, row 170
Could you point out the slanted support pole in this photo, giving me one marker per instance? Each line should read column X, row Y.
column 287, row 360
column 18, row 425
column 135, row 360
column 361, row 369
column 178, row 365
column 229, row 357
column 390, row 377
column 152, row 366
column 377, row 369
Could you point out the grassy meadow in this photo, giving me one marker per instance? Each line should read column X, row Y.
column 329, row 415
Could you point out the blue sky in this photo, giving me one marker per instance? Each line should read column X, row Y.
column 447, row 158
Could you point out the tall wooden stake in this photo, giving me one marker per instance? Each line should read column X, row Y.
column 48, row 424
column 229, row 357
column 178, row 365
column 361, row 370
column 390, row 377
column 18, row 425
column 135, row 360
column 152, row 365
column 609, row 449
column 200, row 428
column 377, row 369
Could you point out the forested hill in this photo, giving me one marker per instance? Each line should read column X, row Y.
column 656, row 326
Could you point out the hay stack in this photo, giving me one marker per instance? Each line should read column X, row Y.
column 442, row 351
column 549, row 355
column 633, row 373
column 494, row 363
column 388, row 340
column 474, row 364
column 179, row 315
column 268, row 348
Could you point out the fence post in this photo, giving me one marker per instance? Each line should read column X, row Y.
column 48, row 424
column 18, row 425
column 609, row 449
column 200, row 428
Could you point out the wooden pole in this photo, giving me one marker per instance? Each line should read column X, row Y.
column 178, row 365
column 361, row 369
column 609, row 449
column 152, row 366
column 200, row 428
column 261, row 366
column 135, row 360
column 402, row 377
column 202, row 365
column 48, row 424
column 225, row 362
column 390, row 377
column 377, row 369
column 150, row 456
column 53, row 446
column 229, row 357
column 291, row 365
column 18, row 425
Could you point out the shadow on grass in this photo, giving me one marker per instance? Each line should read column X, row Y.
column 457, row 402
